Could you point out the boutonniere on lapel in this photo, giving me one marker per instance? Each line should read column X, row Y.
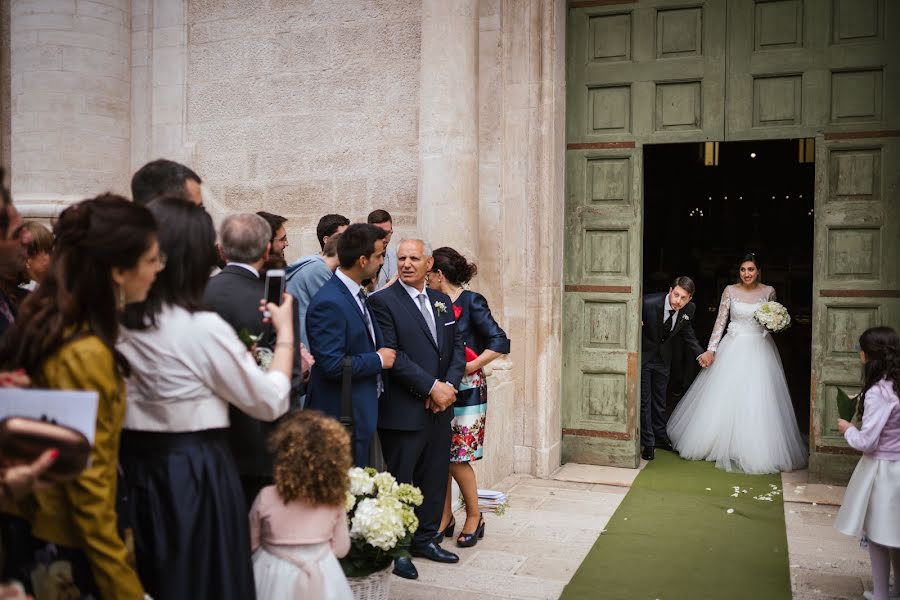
column 686, row 318
column 440, row 307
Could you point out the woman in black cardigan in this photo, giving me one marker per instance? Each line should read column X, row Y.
column 485, row 341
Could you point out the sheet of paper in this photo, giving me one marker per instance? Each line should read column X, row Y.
column 77, row 410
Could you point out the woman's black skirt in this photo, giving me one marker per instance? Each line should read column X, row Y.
column 184, row 503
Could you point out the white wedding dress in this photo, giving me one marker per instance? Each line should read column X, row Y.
column 738, row 411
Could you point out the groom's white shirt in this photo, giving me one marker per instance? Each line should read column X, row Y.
column 668, row 308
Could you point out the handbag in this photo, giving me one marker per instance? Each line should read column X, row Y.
column 23, row 440
column 376, row 459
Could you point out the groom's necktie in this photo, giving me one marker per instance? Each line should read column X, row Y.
column 423, row 308
column 667, row 325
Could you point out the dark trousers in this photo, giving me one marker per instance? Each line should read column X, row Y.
column 422, row 458
column 654, row 381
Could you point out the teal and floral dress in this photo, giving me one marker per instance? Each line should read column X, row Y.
column 481, row 332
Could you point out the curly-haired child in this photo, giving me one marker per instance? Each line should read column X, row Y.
column 873, row 494
column 298, row 527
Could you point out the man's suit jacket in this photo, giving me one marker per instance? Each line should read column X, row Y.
column 336, row 328
column 419, row 359
column 653, row 315
column 235, row 294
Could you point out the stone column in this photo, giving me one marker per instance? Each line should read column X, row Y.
column 447, row 208
column 70, row 114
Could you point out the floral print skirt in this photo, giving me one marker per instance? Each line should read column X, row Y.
column 469, row 415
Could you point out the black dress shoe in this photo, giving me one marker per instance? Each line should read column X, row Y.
column 647, row 453
column 665, row 444
column 404, row 567
column 432, row 551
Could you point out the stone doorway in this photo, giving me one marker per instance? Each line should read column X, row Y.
column 700, row 218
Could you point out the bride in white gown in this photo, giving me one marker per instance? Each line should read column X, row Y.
column 738, row 411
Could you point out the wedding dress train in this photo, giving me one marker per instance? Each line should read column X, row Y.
column 738, row 412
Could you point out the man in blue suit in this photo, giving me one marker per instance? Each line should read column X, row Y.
column 414, row 420
column 339, row 324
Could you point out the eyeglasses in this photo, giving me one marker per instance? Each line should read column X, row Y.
column 160, row 259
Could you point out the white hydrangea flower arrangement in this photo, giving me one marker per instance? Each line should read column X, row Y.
column 773, row 316
column 380, row 513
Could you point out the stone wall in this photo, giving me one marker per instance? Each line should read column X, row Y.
column 70, row 88
column 306, row 108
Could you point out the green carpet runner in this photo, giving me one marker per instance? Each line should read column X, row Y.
column 681, row 533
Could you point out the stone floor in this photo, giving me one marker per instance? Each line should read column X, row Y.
column 825, row 564
column 535, row 547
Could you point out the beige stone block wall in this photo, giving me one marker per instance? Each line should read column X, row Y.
column 306, row 108
column 70, row 91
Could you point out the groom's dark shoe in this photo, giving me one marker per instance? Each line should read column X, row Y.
column 404, row 567
column 432, row 551
column 665, row 444
column 647, row 453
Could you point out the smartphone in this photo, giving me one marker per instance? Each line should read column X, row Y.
column 274, row 287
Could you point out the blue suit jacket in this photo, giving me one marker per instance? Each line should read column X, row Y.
column 419, row 359
column 337, row 328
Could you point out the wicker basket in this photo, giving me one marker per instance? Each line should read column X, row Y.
column 376, row 586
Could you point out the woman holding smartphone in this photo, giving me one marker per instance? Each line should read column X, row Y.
column 64, row 337
column 185, row 502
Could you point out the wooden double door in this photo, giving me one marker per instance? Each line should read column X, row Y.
column 668, row 71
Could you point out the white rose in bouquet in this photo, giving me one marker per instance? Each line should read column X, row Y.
column 773, row 316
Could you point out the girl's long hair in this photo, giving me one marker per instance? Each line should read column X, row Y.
column 78, row 296
column 882, row 348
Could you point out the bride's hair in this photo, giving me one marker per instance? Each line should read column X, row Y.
column 750, row 257
column 882, row 348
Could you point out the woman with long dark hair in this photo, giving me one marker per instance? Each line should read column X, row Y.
column 485, row 341
column 738, row 411
column 106, row 256
column 185, row 501
column 872, row 498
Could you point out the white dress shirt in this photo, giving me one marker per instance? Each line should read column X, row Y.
column 188, row 369
column 667, row 307
column 354, row 288
column 414, row 294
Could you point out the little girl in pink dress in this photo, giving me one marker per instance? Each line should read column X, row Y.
column 871, row 505
column 298, row 527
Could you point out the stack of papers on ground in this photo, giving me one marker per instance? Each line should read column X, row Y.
column 490, row 499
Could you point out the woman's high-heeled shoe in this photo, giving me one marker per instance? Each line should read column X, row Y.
column 446, row 532
column 467, row 540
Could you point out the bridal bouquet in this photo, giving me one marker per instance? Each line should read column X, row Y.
column 773, row 316
column 381, row 519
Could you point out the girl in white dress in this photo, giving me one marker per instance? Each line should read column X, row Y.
column 298, row 527
column 738, row 411
column 871, row 505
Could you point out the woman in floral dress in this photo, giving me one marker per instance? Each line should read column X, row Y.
column 485, row 341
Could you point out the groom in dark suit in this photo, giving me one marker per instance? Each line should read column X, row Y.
column 414, row 420
column 338, row 324
column 666, row 319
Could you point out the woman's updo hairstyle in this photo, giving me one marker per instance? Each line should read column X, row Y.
column 750, row 257
column 453, row 265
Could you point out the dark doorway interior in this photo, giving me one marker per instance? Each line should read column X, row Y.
column 699, row 220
